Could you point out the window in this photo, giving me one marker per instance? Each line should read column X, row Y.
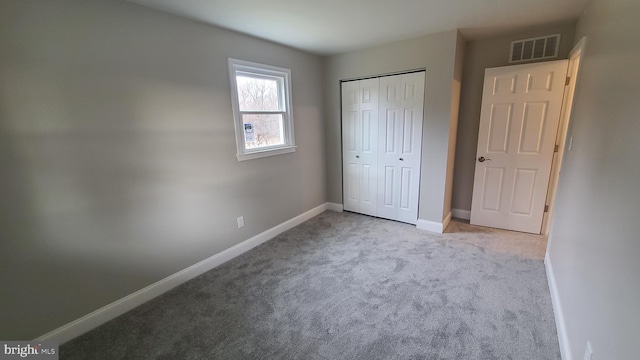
column 261, row 96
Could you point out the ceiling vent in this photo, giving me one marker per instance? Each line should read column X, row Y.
column 543, row 47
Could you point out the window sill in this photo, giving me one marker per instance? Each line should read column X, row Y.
column 265, row 153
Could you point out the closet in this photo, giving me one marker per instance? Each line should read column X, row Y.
column 381, row 145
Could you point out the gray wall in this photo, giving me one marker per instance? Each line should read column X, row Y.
column 479, row 55
column 118, row 154
column 595, row 236
column 436, row 53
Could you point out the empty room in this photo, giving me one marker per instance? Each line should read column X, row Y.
column 350, row 179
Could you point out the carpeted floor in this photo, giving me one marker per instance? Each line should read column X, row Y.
column 348, row 286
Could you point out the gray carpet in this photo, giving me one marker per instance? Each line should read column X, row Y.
column 348, row 286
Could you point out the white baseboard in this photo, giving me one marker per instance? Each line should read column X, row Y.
column 335, row 207
column 434, row 226
column 119, row 307
column 563, row 337
column 461, row 214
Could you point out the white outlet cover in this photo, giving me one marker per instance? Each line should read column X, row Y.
column 240, row 221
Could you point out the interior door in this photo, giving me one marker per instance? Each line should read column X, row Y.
column 399, row 146
column 360, row 145
column 518, row 125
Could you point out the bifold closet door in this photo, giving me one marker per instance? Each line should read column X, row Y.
column 360, row 145
column 401, row 104
column 381, row 144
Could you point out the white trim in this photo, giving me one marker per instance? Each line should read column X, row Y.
column 461, row 214
column 429, row 225
column 335, row 207
column 434, row 226
column 563, row 337
column 579, row 47
column 446, row 221
column 573, row 72
column 265, row 153
column 119, row 307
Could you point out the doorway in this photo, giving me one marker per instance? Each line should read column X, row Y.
column 524, row 120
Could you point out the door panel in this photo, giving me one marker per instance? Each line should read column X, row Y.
column 532, row 130
column 353, row 194
column 352, row 124
column 360, row 145
column 368, row 197
column 350, row 131
column 523, row 190
column 390, row 134
column 493, row 183
column 499, row 128
column 368, row 155
column 408, row 128
column 366, row 131
column 405, row 189
column 389, row 185
column 401, row 134
column 518, row 124
column 540, row 81
column 504, row 84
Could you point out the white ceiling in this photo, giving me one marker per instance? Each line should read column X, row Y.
column 336, row 26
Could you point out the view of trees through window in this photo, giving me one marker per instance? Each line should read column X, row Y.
column 256, row 95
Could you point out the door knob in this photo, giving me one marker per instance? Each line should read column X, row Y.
column 401, row 159
column 482, row 159
column 357, row 156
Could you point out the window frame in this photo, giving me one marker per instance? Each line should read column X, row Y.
column 258, row 70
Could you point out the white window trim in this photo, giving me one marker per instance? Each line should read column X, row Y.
column 235, row 66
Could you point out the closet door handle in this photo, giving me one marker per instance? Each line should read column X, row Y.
column 357, row 156
column 401, row 159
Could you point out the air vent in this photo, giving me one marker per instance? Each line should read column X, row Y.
column 543, row 47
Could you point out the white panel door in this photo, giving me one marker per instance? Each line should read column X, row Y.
column 399, row 146
column 360, row 145
column 518, row 125
column 350, row 145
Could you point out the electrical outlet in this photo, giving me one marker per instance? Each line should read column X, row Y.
column 570, row 143
column 588, row 352
column 240, row 221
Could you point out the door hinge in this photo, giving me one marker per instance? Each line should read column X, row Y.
column 567, row 81
column 546, row 208
column 556, row 148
